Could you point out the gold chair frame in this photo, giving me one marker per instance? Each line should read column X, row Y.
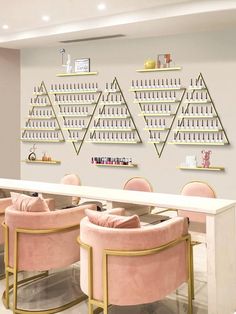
column 106, row 253
column 14, row 270
column 2, row 276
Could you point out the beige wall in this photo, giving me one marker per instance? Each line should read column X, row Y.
column 211, row 53
column 10, row 113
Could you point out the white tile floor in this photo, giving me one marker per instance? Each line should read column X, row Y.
column 175, row 304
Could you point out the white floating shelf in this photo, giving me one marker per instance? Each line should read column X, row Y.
column 160, row 69
column 112, row 117
column 153, row 89
column 41, row 140
column 156, row 129
column 201, row 168
column 75, row 92
column 198, row 116
column 40, row 129
column 113, row 129
column 41, row 117
column 198, row 143
column 113, row 142
column 116, row 165
column 76, row 74
column 156, row 101
column 51, row 162
column 73, row 115
column 197, row 130
column 145, row 114
column 74, row 103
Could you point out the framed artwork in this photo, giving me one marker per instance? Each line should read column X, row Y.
column 163, row 60
column 82, row 65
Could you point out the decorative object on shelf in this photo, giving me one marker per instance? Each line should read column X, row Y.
column 114, row 123
column 32, row 155
column 199, row 122
column 191, row 163
column 77, row 103
column 150, row 64
column 42, row 124
column 68, row 64
column 206, row 158
column 82, row 65
column 113, row 161
column 163, row 60
column 62, row 52
column 159, row 101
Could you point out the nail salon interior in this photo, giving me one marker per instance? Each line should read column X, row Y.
column 117, row 172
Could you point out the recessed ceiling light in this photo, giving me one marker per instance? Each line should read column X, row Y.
column 101, row 6
column 46, row 18
column 5, row 26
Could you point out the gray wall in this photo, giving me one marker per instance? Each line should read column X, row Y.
column 211, row 53
column 10, row 113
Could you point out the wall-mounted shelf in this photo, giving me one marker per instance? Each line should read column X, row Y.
column 41, row 117
column 40, row 129
column 75, row 129
column 198, row 102
column 197, row 130
column 152, row 89
column 113, row 129
column 160, row 69
column 112, row 117
column 111, row 104
column 38, row 119
column 76, row 74
column 73, row 115
column 199, row 143
column 75, row 92
column 75, row 103
column 202, row 168
column 116, row 165
column 145, row 114
column 159, row 101
column 166, row 101
column 51, row 162
column 42, row 140
column 156, row 129
column 113, row 142
column 40, row 105
column 199, row 122
column 212, row 116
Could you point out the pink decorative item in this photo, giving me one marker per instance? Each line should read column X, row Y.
column 206, row 158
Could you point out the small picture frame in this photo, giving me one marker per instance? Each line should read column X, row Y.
column 82, row 65
column 164, row 60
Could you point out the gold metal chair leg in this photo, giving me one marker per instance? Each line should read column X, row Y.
column 90, row 307
column 7, row 289
column 190, row 278
column 192, row 271
column 15, row 277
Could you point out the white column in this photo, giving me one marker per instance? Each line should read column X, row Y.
column 221, row 262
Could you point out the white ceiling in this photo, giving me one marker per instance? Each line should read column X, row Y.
column 77, row 19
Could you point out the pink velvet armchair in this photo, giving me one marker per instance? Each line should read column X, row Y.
column 137, row 184
column 134, row 266
column 40, row 241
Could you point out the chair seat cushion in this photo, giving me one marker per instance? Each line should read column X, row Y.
column 27, row 203
column 111, row 220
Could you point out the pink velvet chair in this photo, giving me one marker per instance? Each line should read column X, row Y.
column 40, row 241
column 201, row 189
column 134, row 266
column 137, row 184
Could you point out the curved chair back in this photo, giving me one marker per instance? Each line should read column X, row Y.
column 45, row 240
column 136, row 279
column 197, row 188
column 72, row 179
column 138, row 184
